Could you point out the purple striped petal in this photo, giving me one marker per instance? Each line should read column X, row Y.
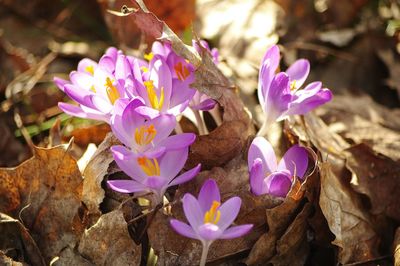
column 262, row 149
column 183, row 229
column 295, row 160
column 126, row 186
column 236, row 231
column 308, row 99
column 177, row 142
column 209, row 193
column 60, row 82
column 229, row 211
column 192, row 211
column 257, row 176
column 298, row 72
column 127, row 162
column 172, row 162
column 188, row 175
column 78, row 112
column 80, row 96
column 279, row 184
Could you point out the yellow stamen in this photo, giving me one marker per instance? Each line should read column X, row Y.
column 111, row 90
column 144, row 69
column 155, row 102
column 145, row 135
column 181, row 71
column 93, row 89
column 293, row 85
column 213, row 215
column 149, row 166
column 90, row 70
column 148, row 56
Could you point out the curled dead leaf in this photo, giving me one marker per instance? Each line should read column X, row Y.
column 94, row 173
column 17, row 243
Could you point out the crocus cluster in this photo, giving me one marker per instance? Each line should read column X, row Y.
column 280, row 94
column 140, row 99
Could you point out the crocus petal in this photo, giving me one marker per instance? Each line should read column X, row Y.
column 261, row 148
column 279, row 184
column 295, row 160
column 78, row 112
column 236, row 231
column 160, row 74
column 148, row 111
column 107, row 63
column 183, row 229
column 122, row 68
column 188, row 175
column 209, row 232
column 126, row 186
column 154, row 152
column 79, row 96
column 273, row 54
column 177, row 142
column 85, row 63
column 82, row 79
column 101, row 104
column 209, row 193
column 192, row 211
column 278, row 98
column 308, row 99
column 60, row 82
column 298, row 72
column 229, row 211
column 257, row 176
column 127, row 162
column 173, row 161
column 156, row 183
column 164, row 124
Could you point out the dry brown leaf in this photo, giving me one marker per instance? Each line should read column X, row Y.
column 351, row 225
column 377, row 126
column 45, row 193
column 17, row 243
column 108, row 243
column 94, row 173
column 396, row 247
column 377, row 177
column 91, row 134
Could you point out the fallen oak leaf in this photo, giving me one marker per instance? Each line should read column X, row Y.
column 355, row 235
column 376, row 176
column 45, row 193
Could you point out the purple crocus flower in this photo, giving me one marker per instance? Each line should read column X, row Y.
column 151, row 174
column 95, row 87
column 280, row 95
column 142, row 135
column 208, row 219
column 269, row 177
